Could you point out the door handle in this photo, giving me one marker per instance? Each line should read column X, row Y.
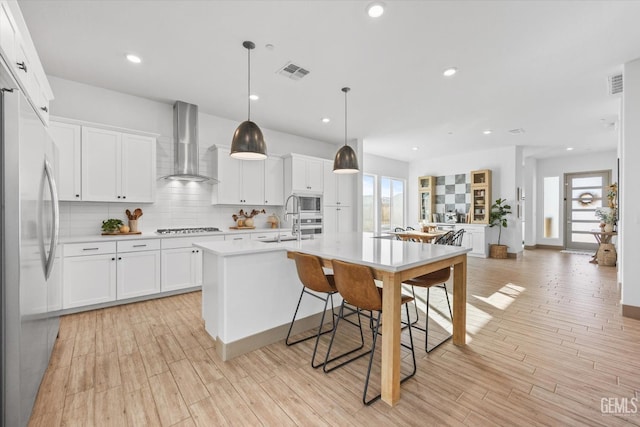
column 55, row 211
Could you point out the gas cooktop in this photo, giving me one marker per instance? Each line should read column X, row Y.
column 187, row 230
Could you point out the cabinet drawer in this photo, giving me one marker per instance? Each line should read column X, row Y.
column 90, row 248
column 245, row 236
column 139, row 245
column 265, row 236
column 187, row 242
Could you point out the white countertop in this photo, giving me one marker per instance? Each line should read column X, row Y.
column 151, row 234
column 362, row 248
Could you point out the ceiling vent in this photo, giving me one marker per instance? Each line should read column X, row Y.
column 615, row 84
column 293, row 71
column 516, row 131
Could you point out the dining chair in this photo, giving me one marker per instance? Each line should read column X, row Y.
column 356, row 285
column 318, row 285
column 436, row 279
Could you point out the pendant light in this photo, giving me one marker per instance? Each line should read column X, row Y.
column 346, row 160
column 248, row 142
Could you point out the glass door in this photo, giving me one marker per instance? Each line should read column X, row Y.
column 584, row 192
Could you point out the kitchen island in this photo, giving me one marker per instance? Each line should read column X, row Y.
column 250, row 290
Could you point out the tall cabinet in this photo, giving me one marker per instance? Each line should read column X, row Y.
column 426, row 198
column 480, row 196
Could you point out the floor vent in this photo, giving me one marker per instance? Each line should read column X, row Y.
column 293, row 71
column 615, row 84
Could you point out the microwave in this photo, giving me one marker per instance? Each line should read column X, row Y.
column 310, row 203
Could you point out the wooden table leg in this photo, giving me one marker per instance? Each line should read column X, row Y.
column 460, row 302
column 391, row 312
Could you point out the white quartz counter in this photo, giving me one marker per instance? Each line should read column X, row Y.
column 151, row 234
column 362, row 248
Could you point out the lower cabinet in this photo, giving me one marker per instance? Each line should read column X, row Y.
column 475, row 238
column 138, row 274
column 182, row 263
column 89, row 279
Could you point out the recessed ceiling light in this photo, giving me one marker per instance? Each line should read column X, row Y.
column 415, row 148
column 326, row 120
column 269, row 46
column 449, row 71
column 487, row 131
column 375, row 10
column 569, row 148
column 254, row 97
column 134, row 58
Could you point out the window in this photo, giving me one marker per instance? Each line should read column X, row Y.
column 368, row 203
column 551, row 207
column 391, row 203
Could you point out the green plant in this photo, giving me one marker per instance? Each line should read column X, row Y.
column 111, row 225
column 498, row 215
column 607, row 215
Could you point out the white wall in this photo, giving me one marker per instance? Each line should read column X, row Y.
column 558, row 166
column 382, row 166
column 629, row 223
column 178, row 204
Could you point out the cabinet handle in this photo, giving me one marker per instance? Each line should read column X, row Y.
column 118, row 197
column 198, row 251
column 77, row 195
column 22, row 66
column 90, row 249
column 139, row 246
column 237, row 238
column 124, row 197
column 193, row 252
column 119, row 258
column 266, row 201
column 113, row 259
column 45, row 109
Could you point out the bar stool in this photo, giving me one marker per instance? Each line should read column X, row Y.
column 356, row 285
column 313, row 279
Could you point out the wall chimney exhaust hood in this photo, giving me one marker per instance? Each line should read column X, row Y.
column 186, row 154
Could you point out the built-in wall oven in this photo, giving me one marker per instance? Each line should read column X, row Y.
column 310, row 213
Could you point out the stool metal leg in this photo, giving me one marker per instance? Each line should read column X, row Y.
column 329, row 359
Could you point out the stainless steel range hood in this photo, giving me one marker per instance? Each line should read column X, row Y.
column 186, row 154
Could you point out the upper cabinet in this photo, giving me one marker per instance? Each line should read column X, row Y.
column 303, row 174
column 20, row 55
column 104, row 165
column 426, row 197
column 247, row 182
column 67, row 138
column 480, row 196
column 339, row 189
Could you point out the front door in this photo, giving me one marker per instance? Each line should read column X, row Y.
column 584, row 192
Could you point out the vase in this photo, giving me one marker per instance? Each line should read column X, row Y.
column 608, row 228
column 133, row 225
column 248, row 222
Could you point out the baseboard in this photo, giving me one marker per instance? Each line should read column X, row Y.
column 631, row 311
column 228, row 351
column 552, row 247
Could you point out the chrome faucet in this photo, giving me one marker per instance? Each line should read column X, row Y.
column 296, row 213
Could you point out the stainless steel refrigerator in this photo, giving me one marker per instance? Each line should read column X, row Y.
column 30, row 267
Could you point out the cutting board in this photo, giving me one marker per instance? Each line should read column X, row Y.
column 121, row 234
column 242, row 228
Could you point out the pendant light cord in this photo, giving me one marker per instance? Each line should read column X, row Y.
column 249, row 83
column 345, row 90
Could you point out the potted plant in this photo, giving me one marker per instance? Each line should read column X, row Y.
column 111, row 225
column 608, row 217
column 498, row 218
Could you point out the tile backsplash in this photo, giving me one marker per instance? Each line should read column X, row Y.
column 453, row 193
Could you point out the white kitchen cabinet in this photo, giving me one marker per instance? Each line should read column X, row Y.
column 475, row 238
column 138, row 268
column 182, row 263
column 117, row 167
column 67, row 138
column 274, row 181
column 240, row 182
column 338, row 219
column 8, row 34
column 339, row 189
column 88, row 279
column 303, row 174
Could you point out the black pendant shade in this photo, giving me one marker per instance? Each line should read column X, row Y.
column 346, row 160
column 248, row 142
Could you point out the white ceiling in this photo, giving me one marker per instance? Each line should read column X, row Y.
column 537, row 65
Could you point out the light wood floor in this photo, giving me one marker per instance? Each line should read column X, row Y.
column 546, row 343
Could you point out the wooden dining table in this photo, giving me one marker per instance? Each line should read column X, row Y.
column 423, row 236
column 393, row 262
